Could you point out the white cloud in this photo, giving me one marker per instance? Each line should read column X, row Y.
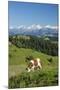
column 39, row 27
column 29, row 27
column 54, row 27
column 51, row 27
column 21, row 26
column 34, row 26
column 47, row 26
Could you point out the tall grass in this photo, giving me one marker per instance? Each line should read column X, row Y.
column 34, row 79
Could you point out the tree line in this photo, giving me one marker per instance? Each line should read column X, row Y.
column 36, row 43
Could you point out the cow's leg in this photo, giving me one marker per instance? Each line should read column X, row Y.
column 39, row 66
column 29, row 69
column 33, row 68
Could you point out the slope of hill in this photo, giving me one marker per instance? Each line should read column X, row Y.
column 20, row 78
column 17, row 57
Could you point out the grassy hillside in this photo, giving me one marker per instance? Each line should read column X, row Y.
column 18, row 75
column 17, row 57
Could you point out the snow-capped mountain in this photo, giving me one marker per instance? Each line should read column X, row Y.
column 36, row 30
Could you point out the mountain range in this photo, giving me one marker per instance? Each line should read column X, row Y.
column 35, row 30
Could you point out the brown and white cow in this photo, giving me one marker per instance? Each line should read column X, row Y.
column 34, row 64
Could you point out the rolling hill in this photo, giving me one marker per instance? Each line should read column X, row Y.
column 17, row 57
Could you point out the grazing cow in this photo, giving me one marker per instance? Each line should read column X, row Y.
column 34, row 64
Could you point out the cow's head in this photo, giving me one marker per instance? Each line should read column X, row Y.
column 29, row 67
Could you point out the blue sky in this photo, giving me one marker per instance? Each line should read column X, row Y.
column 32, row 13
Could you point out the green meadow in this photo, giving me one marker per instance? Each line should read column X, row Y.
column 17, row 64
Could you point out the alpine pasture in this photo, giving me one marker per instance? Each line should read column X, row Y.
column 18, row 75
